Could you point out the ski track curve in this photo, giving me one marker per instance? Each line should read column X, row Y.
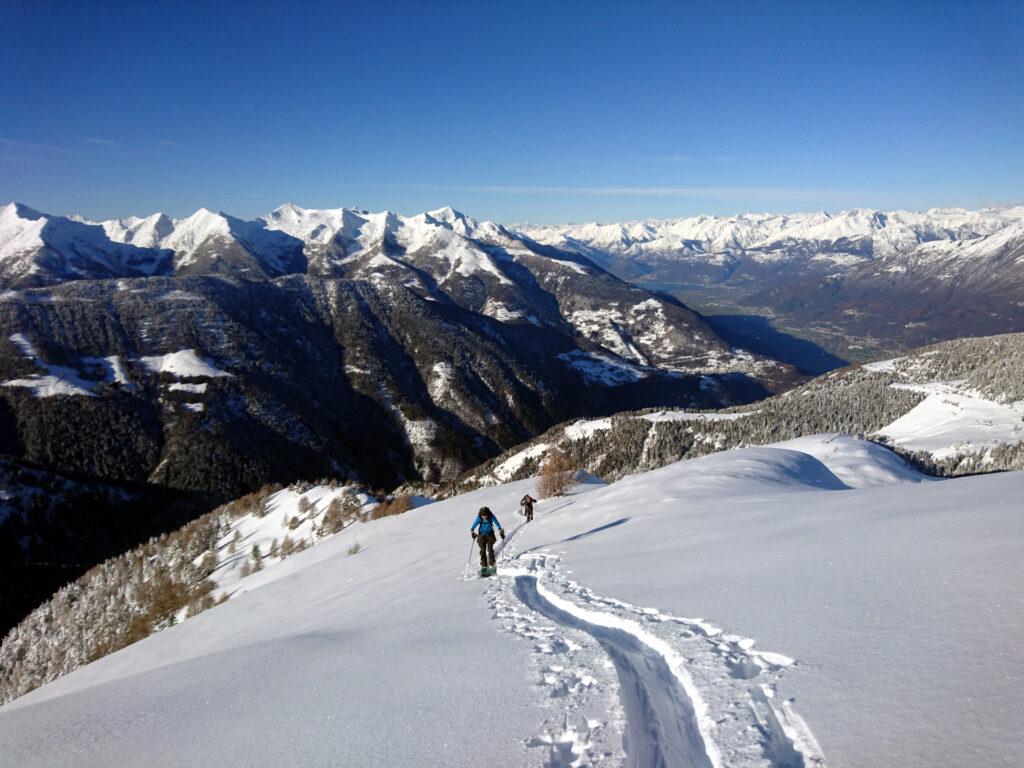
column 661, row 727
column 641, row 688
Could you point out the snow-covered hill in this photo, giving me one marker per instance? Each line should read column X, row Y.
column 764, row 606
column 174, row 576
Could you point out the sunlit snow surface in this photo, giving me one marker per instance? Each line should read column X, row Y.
column 891, row 613
column 953, row 421
column 58, row 379
column 62, row 380
column 690, row 416
column 184, row 363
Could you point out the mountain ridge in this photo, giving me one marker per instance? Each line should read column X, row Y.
column 861, row 283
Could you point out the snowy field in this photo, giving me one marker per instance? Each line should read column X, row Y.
column 953, row 420
column 812, row 603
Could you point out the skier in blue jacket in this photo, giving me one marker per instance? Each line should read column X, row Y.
column 486, row 522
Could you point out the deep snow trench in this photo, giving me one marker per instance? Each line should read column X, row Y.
column 661, row 728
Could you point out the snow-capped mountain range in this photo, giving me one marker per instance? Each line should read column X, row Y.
column 35, row 246
column 862, row 282
column 40, row 249
column 441, row 255
column 726, row 242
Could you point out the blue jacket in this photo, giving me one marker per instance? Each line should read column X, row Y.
column 486, row 526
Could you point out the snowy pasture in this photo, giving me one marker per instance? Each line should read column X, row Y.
column 954, row 420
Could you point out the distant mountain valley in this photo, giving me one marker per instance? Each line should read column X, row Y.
column 858, row 284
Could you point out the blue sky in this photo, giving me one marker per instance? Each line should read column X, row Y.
column 520, row 111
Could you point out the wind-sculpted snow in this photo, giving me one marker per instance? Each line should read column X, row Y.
column 856, row 463
column 760, row 613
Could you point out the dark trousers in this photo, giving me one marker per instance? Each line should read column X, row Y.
column 486, row 543
column 529, row 512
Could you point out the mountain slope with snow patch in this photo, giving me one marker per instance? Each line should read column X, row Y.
column 442, row 255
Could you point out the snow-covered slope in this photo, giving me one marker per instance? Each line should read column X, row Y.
column 954, row 420
column 748, row 608
column 36, row 247
column 208, row 242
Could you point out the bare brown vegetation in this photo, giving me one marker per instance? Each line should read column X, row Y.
column 555, row 475
column 392, row 506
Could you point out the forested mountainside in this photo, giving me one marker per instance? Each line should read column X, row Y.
column 952, row 408
column 859, row 282
column 412, row 347
column 176, row 575
column 221, row 385
column 55, row 525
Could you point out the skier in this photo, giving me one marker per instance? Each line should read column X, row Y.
column 527, row 503
column 485, row 538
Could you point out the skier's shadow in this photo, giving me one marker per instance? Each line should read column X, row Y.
column 578, row 536
column 592, row 531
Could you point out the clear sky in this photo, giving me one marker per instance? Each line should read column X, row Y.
column 519, row 111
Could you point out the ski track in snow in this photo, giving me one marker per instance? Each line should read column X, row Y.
column 639, row 687
column 661, row 727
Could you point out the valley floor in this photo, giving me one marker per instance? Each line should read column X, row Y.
column 810, row 603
